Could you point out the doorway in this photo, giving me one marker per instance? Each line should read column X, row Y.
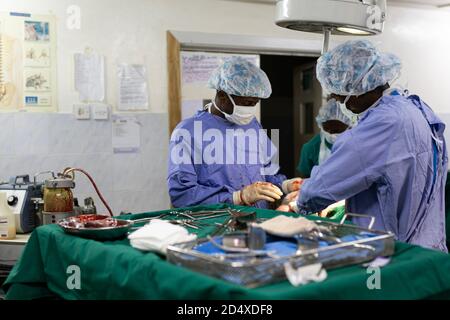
column 290, row 65
column 293, row 105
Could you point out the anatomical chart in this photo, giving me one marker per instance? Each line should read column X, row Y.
column 37, row 55
column 37, row 62
column 27, row 62
column 8, row 89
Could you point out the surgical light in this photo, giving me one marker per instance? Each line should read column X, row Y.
column 340, row 17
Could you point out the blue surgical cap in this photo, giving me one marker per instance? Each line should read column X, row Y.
column 239, row 77
column 356, row 67
column 331, row 111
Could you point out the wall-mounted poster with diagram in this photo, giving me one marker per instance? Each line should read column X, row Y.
column 8, row 80
column 37, row 31
column 37, row 55
column 27, row 62
column 37, row 79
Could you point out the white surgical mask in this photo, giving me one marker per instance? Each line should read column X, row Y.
column 324, row 151
column 330, row 137
column 354, row 117
column 241, row 115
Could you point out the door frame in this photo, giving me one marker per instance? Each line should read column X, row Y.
column 314, row 95
column 227, row 43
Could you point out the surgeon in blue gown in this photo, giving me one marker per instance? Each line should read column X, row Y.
column 392, row 165
column 221, row 154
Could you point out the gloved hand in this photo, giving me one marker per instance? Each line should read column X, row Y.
column 286, row 200
column 291, row 185
column 290, row 197
column 331, row 207
column 284, row 208
column 293, row 206
column 252, row 193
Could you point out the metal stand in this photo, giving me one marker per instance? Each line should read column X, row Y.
column 326, row 39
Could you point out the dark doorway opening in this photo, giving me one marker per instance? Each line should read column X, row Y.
column 278, row 111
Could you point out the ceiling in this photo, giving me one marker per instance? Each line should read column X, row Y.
column 435, row 3
column 432, row 3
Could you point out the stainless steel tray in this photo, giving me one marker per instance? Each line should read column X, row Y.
column 254, row 271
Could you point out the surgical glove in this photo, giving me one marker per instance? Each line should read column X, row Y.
column 283, row 208
column 290, row 197
column 324, row 213
column 293, row 207
column 257, row 191
column 291, row 185
column 286, row 200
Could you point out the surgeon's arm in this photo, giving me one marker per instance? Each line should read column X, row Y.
column 357, row 161
column 276, row 179
column 270, row 169
column 184, row 187
column 185, row 190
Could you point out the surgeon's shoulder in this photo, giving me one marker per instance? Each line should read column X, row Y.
column 388, row 113
column 188, row 123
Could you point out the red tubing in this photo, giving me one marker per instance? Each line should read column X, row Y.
column 66, row 171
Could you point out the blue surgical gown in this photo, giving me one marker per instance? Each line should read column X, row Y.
column 391, row 166
column 197, row 181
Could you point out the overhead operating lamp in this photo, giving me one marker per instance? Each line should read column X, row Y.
column 340, row 17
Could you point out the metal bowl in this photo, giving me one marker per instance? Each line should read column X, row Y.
column 91, row 226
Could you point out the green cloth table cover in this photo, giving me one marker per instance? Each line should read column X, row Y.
column 447, row 209
column 115, row 270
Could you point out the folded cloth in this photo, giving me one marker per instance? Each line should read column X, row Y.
column 288, row 226
column 303, row 275
column 158, row 235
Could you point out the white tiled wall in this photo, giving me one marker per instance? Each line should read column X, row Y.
column 31, row 143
